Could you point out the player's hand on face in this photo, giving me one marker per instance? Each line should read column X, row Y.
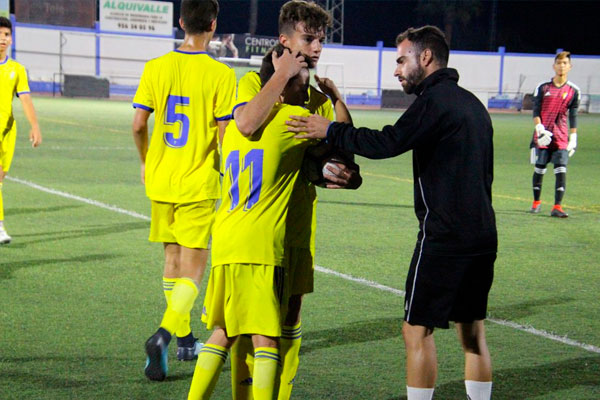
column 328, row 87
column 289, row 63
column 35, row 137
column 315, row 126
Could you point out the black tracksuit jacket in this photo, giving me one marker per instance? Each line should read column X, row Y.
column 450, row 133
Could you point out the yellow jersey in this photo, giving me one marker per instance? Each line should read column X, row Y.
column 302, row 217
column 13, row 81
column 259, row 174
column 189, row 92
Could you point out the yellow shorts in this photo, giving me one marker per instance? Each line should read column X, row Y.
column 302, row 270
column 7, row 146
column 246, row 299
column 187, row 224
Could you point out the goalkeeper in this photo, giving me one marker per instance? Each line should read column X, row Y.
column 552, row 141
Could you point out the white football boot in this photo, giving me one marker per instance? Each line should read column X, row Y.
column 4, row 238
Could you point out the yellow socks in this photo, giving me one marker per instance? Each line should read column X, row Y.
column 208, row 368
column 266, row 363
column 242, row 364
column 168, row 285
column 291, row 338
column 183, row 297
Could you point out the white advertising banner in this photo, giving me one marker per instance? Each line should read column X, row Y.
column 137, row 16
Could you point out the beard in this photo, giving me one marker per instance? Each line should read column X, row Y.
column 412, row 79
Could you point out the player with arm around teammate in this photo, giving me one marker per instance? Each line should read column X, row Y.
column 450, row 134
column 13, row 81
column 248, row 288
column 191, row 95
column 302, row 27
column 552, row 140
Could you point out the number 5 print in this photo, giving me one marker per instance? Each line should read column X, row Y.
column 172, row 117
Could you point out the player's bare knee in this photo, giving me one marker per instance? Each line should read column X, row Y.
column 264, row 341
column 472, row 337
column 415, row 336
column 171, row 260
column 219, row 337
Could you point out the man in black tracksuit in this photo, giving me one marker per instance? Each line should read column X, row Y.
column 450, row 133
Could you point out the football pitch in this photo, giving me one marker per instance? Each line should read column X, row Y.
column 81, row 286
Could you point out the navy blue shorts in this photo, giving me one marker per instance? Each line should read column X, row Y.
column 556, row 157
column 446, row 288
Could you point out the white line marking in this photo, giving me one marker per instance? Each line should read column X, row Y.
column 62, row 148
column 510, row 324
column 530, row 329
column 78, row 198
column 361, row 281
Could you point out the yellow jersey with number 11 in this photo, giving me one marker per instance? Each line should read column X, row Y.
column 302, row 218
column 259, row 177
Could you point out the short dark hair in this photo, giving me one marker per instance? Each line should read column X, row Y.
column 563, row 54
column 427, row 37
column 267, row 69
column 5, row 23
column 313, row 15
column 197, row 15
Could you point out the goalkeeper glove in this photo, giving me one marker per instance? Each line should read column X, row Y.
column 572, row 144
column 544, row 137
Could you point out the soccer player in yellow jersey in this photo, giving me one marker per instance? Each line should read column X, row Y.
column 192, row 95
column 248, row 285
column 302, row 27
column 13, row 80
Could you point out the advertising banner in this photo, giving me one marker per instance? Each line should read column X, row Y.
column 254, row 45
column 136, row 16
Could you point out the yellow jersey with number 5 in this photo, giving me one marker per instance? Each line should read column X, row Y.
column 13, row 80
column 188, row 93
column 259, row 177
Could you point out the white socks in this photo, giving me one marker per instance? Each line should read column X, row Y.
column 475, row 391
column 419, row 393
column 478, row 390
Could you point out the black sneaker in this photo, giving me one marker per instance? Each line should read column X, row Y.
column 156, row 363
column 189, row 353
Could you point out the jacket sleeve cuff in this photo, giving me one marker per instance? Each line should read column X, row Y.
column 329, row 138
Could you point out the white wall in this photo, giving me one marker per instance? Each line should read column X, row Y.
column 537, row 69
column 355, row 68
column 359, row 67
column 122, row 58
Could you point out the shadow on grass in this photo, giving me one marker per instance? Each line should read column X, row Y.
column 378, row 329
column 37, row 210
column 7, row 268
column 47, row 381
column 515, row 311
column 75, row 233
column 534, row 382
column 376, row 205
